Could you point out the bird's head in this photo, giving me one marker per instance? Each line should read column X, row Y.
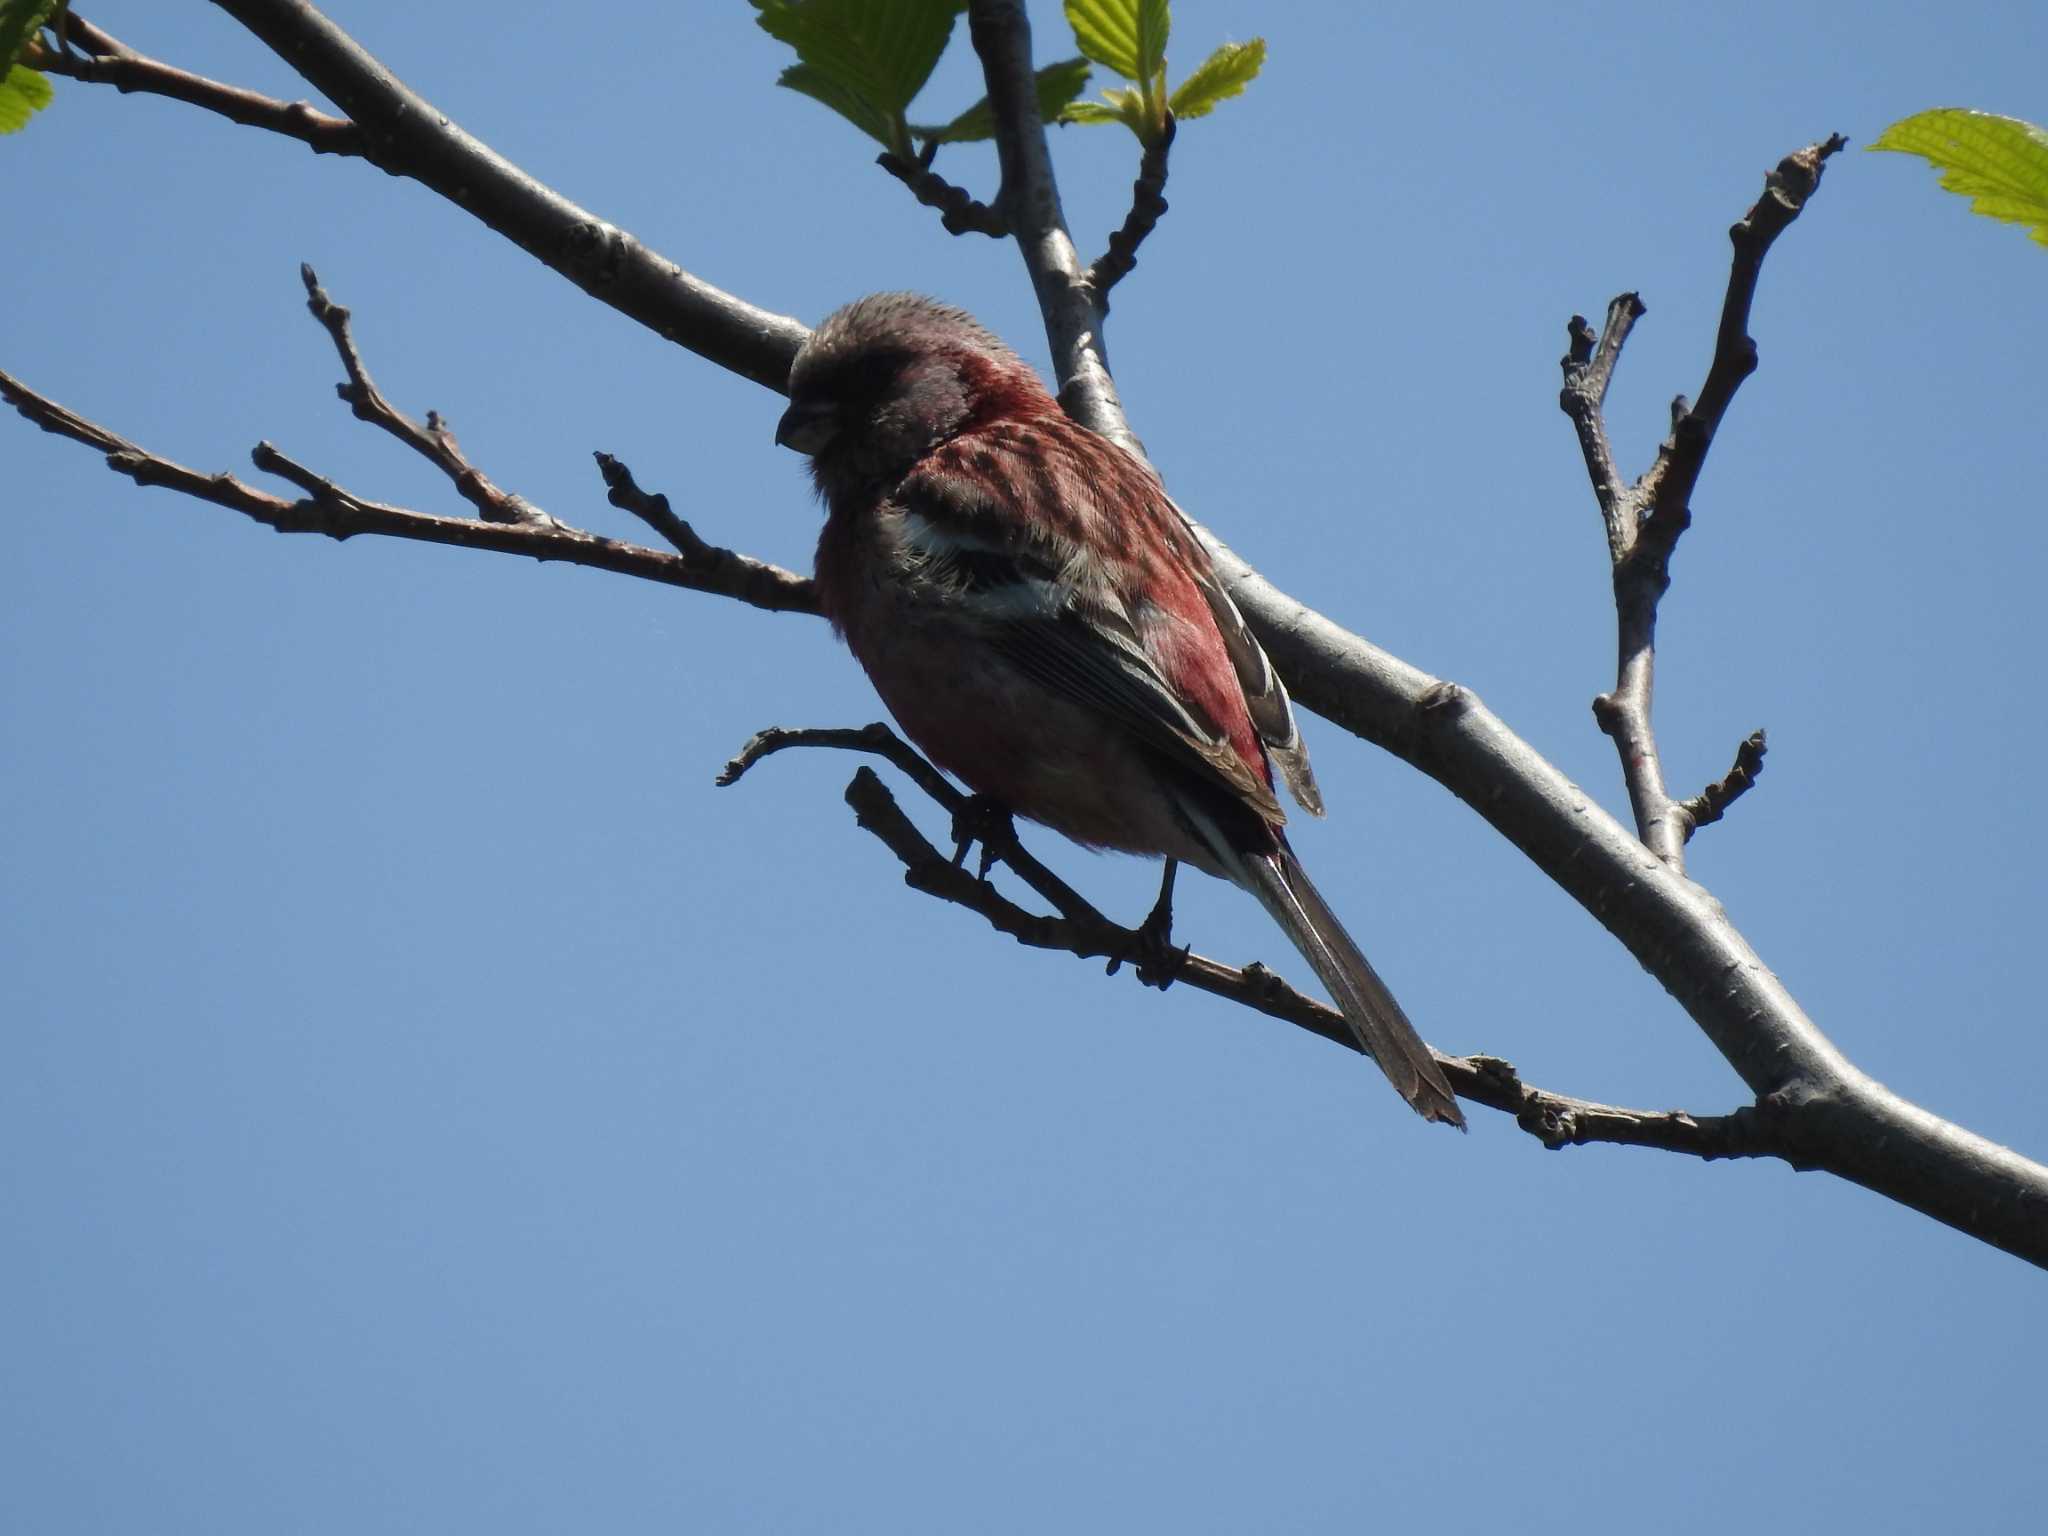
column 890, row 377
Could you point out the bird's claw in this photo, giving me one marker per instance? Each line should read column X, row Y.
column 1154, row 956
column 981, row 820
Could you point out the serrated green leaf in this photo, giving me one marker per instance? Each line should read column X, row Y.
column 1224, row 74
column 1089, row 112
column 871, row 120
column 1155, row 22
column 1999, row 163
column 1119, row 104
column 20, row 20
column 23, row 93
column 1058, row 85
column 865, row 59
column 1107, row 32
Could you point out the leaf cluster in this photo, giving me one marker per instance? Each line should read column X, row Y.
column 1129, row 36
column 868, row 59
column 23, row 91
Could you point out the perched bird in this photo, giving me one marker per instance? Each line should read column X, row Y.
column 1040, row 620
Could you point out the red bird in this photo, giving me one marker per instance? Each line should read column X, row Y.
column 1034, row 611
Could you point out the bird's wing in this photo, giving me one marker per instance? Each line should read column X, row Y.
column 1055, row 614
column 1265, row 696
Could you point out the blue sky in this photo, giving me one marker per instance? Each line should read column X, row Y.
column 427, row 1104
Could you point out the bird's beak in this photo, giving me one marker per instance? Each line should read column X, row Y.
column 807, row 426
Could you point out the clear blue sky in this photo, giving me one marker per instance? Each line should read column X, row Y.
column 427, row 1104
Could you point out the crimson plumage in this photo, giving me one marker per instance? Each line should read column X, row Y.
column 1036, row 614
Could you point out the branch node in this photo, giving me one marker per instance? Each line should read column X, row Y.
column 959, row 212
column 1711, row 803
column 1148, row 206
column 434, row 441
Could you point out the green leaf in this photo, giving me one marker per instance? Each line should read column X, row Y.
column 1119, row 104
column 23, row 93
column 1999, row 163
column 1058, row 85
column 849, row 104
column 865, row 59
column 1090, row 112
column 1155, row 21
column 20, row 20
column 1108, row 32
column 1224, row 74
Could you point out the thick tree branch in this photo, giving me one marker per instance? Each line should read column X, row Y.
column 1030, row 200
column 407, row 136
column 1842, row 1121
column 1838, row 1119
column 106, row 60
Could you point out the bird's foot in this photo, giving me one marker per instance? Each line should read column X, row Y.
column 1152, row 953
column 984, row 821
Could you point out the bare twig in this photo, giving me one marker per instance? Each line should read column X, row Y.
column 1588, row 370
column 883, row 742
column 1645, row 521
column 328, row 509
column 1148, row 207
column 959, row 213
column 1711, row 803
column 1079, row 929
column 714, row 567
column 432, row 440
column 106, row 60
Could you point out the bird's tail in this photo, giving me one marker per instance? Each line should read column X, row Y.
column 1382, row 1029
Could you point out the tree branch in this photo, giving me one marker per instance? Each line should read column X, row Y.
column 1030, row 200
column 406, row 135
column 1148, row 207
column 1645, row 521
column 1556, row 1120
column 106, row 60
column 329, row 509
column 1712, row 803
column 1841, row 1120
column 960, row 213
column 432, row 440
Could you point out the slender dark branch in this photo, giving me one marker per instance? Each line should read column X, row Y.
column 1588, row 370
column 713, row 567
column 1786, row 191
column 1148, row 206
column 1645, row 521
column 960, row 214
column 1711, row 803
column 408, row 136
column 106, row 60
column 1556, row 1120
column 885, row 743
column 329, row 510
column 431, row 439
